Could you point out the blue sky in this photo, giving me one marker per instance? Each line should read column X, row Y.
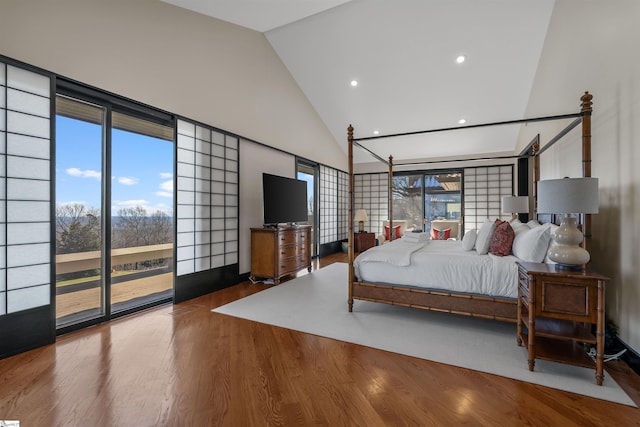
column 142, row 168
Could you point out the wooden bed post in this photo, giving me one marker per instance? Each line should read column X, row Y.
column 536, row 173
column 586, row 109
column 390, row 201
column 350, row 213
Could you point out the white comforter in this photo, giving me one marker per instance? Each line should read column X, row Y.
column 439, row 264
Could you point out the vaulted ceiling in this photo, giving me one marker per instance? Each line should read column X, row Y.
column 402, row 54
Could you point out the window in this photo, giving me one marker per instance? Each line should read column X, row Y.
column 114, row 208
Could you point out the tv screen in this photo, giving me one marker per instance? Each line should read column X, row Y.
column 285, row 199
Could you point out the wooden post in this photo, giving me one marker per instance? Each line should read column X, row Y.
column 586, row 110
column 391, row 233
column 350, row 213
column 536, row 173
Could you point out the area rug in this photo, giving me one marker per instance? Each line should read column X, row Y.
column 317, row 304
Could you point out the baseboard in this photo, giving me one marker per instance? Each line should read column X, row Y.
column 630, row 357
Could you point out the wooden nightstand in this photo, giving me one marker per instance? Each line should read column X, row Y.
column 363, row 241
column 559, row 309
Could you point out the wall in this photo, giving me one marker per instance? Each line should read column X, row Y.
column 256, row 160
column 592, row 45
column 202, row 68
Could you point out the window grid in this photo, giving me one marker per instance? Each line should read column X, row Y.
column 207, row 199
column 371, row 193
column 328, row 204
column 25, row 189
column 343, row 205
column 483, row 189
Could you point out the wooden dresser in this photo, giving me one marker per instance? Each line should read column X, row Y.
column 277, row 252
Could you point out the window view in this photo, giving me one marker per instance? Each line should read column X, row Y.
column 141, row 212
column 79, row 284
column 421, row 198
column 140, row 179
column 407, row 200
column 307, row 173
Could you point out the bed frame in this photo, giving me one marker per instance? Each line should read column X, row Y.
column 503, row 309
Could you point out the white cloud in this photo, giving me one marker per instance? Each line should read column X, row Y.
column 127, row 180
column 151, row 209
column 167, row 186
column 84, row 173
column 166, row 175
column 122, row 204
column 163, row 194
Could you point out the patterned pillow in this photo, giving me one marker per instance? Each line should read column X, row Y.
column 502, row 239
column 396, row 235
column 440, row 234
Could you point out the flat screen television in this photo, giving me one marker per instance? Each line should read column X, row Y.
column 285, row 200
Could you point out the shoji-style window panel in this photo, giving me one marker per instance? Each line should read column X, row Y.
column 343, row 205
column 328, row 205
column 371, row 193
column 25, row 189
column 207, row 200
column 483, row 190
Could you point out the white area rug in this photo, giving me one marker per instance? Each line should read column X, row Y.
column 317, row 304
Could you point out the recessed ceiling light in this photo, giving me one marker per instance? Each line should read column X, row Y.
column 376, row 132
column 462, row 121
column 354, row 83
column 460, row 59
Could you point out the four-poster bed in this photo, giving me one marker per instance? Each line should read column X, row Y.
column 436, row 298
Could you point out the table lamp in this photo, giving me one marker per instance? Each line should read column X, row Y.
column 515, row 205
column 361, row 218
column 568, row 196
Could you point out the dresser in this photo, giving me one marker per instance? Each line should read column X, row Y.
column 560, row 311
column 277, row 252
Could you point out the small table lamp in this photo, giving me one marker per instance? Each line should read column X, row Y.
column 515, row 205
column 361, row 217
column 568, row 196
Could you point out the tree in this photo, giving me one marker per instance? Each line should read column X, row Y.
column 77, row 229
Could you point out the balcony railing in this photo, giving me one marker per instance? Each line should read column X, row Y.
column 88, row 296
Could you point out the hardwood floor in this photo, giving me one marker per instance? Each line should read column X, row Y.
column 182, row 365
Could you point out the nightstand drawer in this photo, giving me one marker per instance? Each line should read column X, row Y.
column 576, row 300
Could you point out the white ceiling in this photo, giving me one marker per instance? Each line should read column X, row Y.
column 402, row 53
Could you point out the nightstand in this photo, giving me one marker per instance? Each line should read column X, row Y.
column 560, row 309
column 363, row 241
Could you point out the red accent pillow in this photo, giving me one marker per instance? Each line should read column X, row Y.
column 396, row 234
column 502, row 239
column 440, row 234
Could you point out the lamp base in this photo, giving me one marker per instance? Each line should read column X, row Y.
column 565, row 267
column 566, row 250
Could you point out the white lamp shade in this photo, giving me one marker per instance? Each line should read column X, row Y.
column 568, row 196
column 361, row 215
column 515, row 204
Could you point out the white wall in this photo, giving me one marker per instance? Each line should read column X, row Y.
column 202, row 68
column 592, row 45
column 255, row 160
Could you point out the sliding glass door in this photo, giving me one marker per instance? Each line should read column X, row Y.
column 141, row 212
column 420, row 198
column 80, row 130
column 114, row 211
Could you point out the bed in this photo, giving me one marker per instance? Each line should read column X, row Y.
column 443, row 275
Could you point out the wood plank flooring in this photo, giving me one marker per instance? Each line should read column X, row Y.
column 182, row 365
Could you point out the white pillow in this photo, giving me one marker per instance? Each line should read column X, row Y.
column 483, row 240
column 519, row 227
column 533, row 224
column 532, row 245
column 469, row 239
